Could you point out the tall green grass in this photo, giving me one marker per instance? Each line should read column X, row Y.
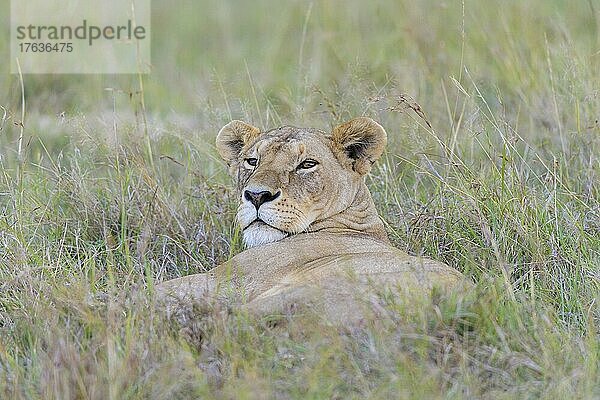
column 492, row 166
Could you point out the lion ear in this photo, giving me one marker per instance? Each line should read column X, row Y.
column 359, row 143
column 233, row 137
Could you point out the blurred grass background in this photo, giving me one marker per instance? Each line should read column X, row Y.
column 492, row 111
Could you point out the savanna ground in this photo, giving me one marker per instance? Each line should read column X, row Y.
column 492, row 111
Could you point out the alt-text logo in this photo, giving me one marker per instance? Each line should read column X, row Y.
column 80, row 36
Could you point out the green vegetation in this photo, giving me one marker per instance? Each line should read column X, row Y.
column 493, row 166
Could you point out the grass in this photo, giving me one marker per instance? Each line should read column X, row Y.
column 492, row 167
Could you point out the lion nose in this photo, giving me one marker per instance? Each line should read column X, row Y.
column 259, row 198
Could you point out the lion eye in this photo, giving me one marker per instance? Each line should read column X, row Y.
column 251, row 161
column 307, row 164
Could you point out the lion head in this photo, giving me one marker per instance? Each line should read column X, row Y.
column 294, row 180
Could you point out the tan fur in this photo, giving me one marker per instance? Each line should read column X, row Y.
column 319, row 241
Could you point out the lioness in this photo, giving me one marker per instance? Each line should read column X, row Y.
column 312, row 232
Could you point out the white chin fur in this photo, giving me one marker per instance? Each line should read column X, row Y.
column 259, row 233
